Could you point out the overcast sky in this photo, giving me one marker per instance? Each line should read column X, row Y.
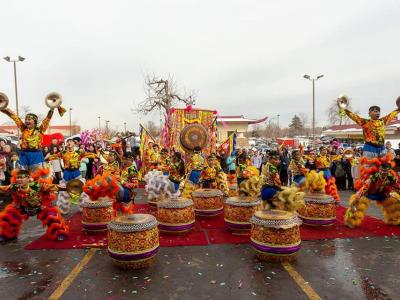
column 242, row 57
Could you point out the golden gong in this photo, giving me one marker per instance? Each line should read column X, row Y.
column 194, row 135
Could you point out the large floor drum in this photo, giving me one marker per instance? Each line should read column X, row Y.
column 176, row 215
column 320, row 210
column 275, row 235
column 208, row 202
column 96, row 214
column 133, row 240
column 238, row 212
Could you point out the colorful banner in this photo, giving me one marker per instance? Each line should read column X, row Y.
column 178, row 118
column 229, row 145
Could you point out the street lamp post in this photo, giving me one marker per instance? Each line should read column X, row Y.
column 14, row 61
column 125, row 127
column 278, row 120
column 99, row 123
column 70, row 122
column 106, row 124
column 313, row 101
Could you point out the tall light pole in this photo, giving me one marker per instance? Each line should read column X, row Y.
column 313, row 101
column 278, row 120
column 278, row 130
column 70, row 122
column 99, row 122
column 106, row 124
column 14, row 61
column 125, row 127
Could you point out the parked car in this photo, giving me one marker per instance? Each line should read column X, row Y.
column 10, row 139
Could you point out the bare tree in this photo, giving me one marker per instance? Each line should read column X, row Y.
column 153, row 129
column 304, row 120
column 257, row 131
column 162, row 94
column 333, row 114
column 272, row 131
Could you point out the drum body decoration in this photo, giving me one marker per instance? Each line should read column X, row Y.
column 238, row 212
column 175, row 215
column 208, row 202
column 133, row 240
column 96, row 214
column 320, row 210
column 194, row 135
column 275, row 235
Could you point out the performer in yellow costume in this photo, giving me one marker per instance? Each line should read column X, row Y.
column 31, row 155
column 373, row 128
column 297, row 168
column 72, row 161
column 154, row 157
column 323, row 163
column 164, row 161
column 112, row 166
column 195, row 165
column 176, row 170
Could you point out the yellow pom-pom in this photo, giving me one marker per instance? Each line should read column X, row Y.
column 362, row 206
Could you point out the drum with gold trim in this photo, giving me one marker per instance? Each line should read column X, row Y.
column 96, row 214
column 275, row 235
column 208, row 202
column 175, row 215
column 133, row 240
column 238, row 212
column 320, row 210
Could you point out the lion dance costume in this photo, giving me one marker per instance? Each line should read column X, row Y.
column 31, row 198
column 380, row 183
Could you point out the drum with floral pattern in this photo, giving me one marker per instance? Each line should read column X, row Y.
column 96, row 214
column 238, row 212
column 175, row 215
column 133, row 240
column 208, row 202
column 320, row 210
column 275, row 235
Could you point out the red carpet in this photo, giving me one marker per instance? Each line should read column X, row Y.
column 213, row 231
column 80, row 239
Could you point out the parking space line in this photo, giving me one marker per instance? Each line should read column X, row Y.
column 72, row 275
column 307, row 289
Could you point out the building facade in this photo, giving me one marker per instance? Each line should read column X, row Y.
column 227, row 125
column 354, row 133
column 65, row 130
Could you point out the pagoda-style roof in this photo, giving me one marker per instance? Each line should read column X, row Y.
column 240, row 119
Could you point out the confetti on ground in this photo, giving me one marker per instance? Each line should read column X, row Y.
column 240, row 283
